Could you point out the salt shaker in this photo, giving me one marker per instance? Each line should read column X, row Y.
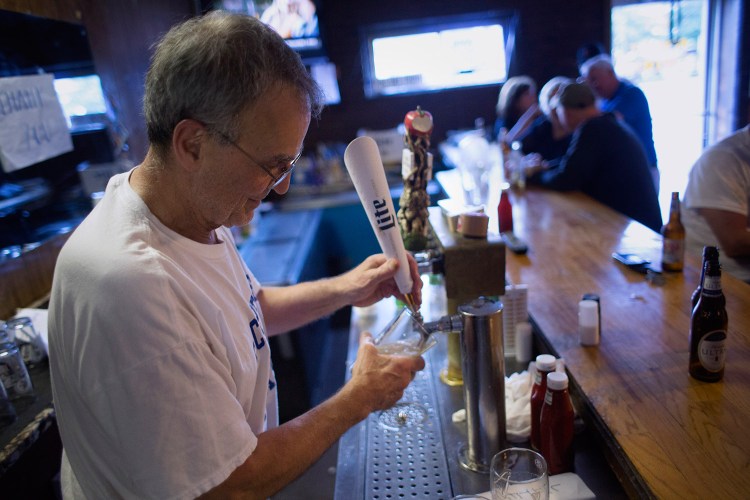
column 524, row 341
column 588, row 323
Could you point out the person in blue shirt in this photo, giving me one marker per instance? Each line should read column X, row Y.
column 625, row 100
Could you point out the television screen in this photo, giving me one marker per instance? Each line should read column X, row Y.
column 295, row 20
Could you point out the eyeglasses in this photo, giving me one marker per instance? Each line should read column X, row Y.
column 285, row 169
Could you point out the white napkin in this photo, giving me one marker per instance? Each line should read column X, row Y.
column 518, row 406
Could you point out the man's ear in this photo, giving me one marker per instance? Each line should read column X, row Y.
column 188, row 142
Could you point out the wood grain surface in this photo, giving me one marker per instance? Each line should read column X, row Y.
column 684, row 438
column 26, row 280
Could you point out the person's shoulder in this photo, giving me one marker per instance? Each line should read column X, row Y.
column 737, row 142
column 603, row 122
column 613, row 123
column 630, row 91
column 608, row 129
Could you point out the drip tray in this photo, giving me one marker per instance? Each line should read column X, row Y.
column 405, row 453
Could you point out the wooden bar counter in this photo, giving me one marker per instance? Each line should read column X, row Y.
column 669, row 435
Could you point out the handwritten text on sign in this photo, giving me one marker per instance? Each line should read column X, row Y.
column 32, row 124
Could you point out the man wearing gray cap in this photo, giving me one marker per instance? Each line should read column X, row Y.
column 605, row 159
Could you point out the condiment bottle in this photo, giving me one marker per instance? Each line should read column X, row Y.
column 708, row 254
column 505, row 211
column 673, row 238
column 708, row 327
column 545, row 364
column 557, row 425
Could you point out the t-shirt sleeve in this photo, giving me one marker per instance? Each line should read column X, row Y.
column 718, row 180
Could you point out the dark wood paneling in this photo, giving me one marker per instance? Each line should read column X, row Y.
column 61, row 10
column 121, row 34
column 26, row 281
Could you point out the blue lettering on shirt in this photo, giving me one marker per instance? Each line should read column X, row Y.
column 257, row 332
column 256, row 329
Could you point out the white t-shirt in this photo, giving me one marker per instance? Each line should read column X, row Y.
column 161, row 369
column 720, row 179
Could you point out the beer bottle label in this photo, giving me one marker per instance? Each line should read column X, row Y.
column 712, row 285
column 712, row 350
column 674, row 250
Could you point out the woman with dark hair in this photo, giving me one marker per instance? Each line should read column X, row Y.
column 517, row 97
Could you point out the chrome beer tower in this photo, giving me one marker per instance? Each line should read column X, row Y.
column 473, row 269
column 479, row 324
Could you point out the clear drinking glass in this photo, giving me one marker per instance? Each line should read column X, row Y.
column 403, row 337
column 21, row 331
column 13, row 373
column 519, row 473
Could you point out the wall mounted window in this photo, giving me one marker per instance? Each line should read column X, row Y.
column 427, row 55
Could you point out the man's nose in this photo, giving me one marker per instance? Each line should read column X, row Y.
column 283, row 186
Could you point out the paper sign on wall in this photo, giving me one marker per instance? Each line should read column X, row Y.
column 32, row 124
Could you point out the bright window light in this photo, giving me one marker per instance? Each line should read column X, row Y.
column 434, row 60
column 80, row 96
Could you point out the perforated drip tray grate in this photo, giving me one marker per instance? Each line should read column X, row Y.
column 405, row 454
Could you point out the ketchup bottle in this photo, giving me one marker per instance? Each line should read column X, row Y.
column 557, row 425
column 505, row 212
column 545, row 363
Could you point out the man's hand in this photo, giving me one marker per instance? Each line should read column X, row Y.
column 379, row 380
column 373, row 280
column 533, row 163
column 287, row 308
